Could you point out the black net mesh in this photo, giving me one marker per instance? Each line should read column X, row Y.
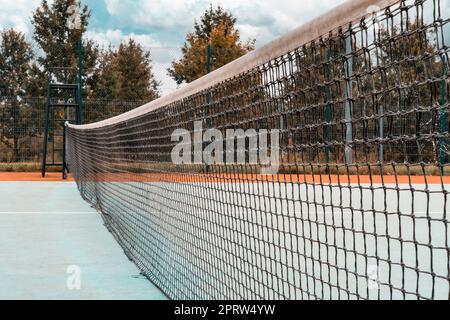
column 358, row 207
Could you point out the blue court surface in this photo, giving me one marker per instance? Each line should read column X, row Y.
column 54, row 246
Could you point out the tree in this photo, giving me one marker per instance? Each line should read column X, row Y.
column 417, row 89
column 136, row 79
column 211, row 19
column 390, row 97
column 15, row 59
column 105, row 77
column 216, row 28
column 125, row 75
column 58, row 40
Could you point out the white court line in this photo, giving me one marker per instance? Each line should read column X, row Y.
column 47, row 213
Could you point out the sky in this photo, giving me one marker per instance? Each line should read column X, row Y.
column 161, row 25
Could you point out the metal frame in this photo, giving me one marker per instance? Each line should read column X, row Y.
column 50, row 107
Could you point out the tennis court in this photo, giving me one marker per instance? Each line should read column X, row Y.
column 46, row 230
column 354, row 232
column 356, row 208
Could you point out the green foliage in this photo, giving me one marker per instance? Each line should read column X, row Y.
column 15, row 59
column 211, row 19
column 17, row 116
column 59, row 42
column 217, row 29
column 125, row 74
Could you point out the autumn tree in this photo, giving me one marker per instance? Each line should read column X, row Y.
column 15, row 58
column 216, row 28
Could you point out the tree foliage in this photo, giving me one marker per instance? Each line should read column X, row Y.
column 58, row 40
column 211, row 19
column 125, row 74
column 217, row 29
column 16, row 55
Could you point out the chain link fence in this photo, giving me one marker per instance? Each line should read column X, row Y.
column 22, row 118
column 22, row 123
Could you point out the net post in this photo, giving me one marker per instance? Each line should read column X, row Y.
column 348, row 98
column 443, row 116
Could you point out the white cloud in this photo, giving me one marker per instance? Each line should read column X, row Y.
column 167, row 83
column 116, row 37
column 162, row 60
column 16, row 14
column 161, row 56
column 264, row 20
column 446, row 4
column 161, row 25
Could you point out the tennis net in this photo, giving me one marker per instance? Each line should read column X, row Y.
column 315, row 167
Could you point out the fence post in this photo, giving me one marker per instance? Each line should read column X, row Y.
column 208, row 58
column 209, row 102
column 80, row 80
column 348, row 100
column 443, row 116
column 328, row 112
column 381, row 151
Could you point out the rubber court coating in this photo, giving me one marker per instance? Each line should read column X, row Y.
column 48, row 234
column 282, row 178
column 32, row 176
